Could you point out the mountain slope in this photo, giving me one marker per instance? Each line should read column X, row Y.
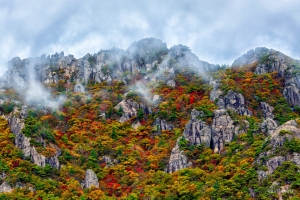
column 150, row 123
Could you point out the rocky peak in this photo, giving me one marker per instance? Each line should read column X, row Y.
column 147, row 50
column 183, row 55
column 250, row 57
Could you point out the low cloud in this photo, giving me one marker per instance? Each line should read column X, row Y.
column 216, row 31
column 36, row 94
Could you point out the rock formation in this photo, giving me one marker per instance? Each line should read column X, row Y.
column 235, row 102
column 223, row 129
column 269, row 60
column 216, row 92
column 130, row 109
column 90, row 179
column 5, row 187
column 272, row 158
column 178, row 160
column 16, row 123
column 162, row 125
column 109, row 161
column 197, row 131
column 268, row 125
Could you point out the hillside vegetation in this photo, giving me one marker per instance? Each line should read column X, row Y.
column 150, row 123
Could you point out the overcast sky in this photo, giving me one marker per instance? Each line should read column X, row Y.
column 217, row 31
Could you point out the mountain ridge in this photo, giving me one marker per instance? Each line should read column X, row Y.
column 111, row 124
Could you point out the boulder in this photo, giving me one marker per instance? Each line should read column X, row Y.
column 171, row 83
column 5, row 187
column 2, row 175
column 91, row 179
column 79, row 88
column 109, row 161
column 136, row 125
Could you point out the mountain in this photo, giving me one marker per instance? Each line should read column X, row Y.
column 150, row 123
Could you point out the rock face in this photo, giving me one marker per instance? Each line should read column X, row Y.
column 216, row 92
column 162, row 125
column 5, row 187
column 273, row 157
column 196, row 131
column 130, row 109
column 90, row 179
column 223, row 129
column 235, row 102
column 268, row 125
column 109, row 161
column 16, row 123
column 267, row 110
column 292, row 94
column 178, row 160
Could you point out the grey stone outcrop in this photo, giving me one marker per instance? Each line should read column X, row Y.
column 5, row 187
column 178, row 160
column 197, row 131
column 268, row 125
column 130, row 109
column 16, row 123
column 162, row 125
column 223, row 129
column 235, row 102
column 109, row 161
column 283, row 133
column 90, row 179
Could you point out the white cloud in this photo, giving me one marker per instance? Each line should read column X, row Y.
column 217, row 31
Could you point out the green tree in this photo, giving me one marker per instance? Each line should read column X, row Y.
column 93, row 159
column 140, row 114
